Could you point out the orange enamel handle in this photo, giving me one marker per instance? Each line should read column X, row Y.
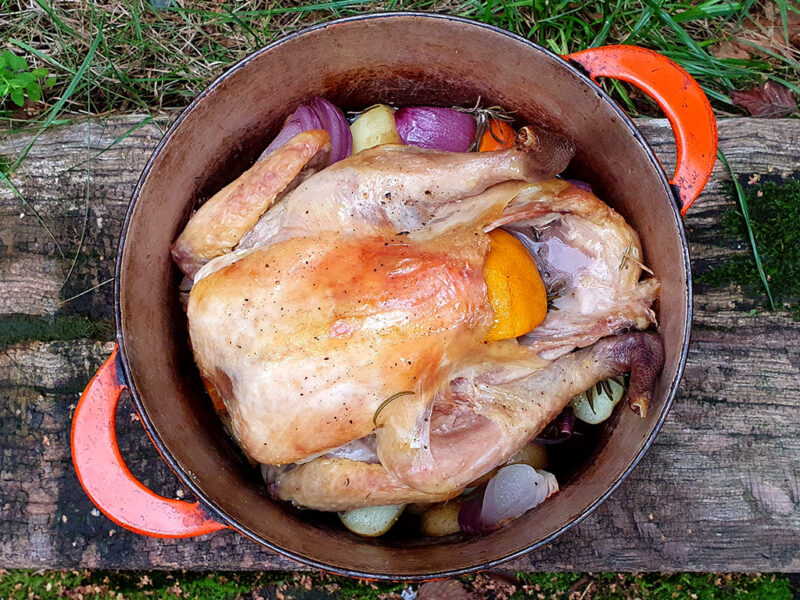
column 678, row 95
column 107, row 480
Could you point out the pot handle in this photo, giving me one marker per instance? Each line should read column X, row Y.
column 108, row 482
column 678, row 95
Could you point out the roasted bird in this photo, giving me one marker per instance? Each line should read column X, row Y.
column 341, row 319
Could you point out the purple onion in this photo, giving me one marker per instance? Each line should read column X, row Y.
column 436, row 128
column 580, row 184
column 334, row 122
column 317, row 114
column 512, row 492
column 469, row 515
column 559, row 430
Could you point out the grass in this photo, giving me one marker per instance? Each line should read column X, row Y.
column 126, row 55
column 563, row 586
column 748, row 227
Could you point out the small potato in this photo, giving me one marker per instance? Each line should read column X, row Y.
column 417, row 508
column 441, row 519
column 534, row 455
column 373, row 128
column 602, row 404
column 371, row 521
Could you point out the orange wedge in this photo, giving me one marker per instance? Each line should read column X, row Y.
column 516, row 291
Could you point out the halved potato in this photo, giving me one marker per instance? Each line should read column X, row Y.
column 374, row 127
column 602, row 404
column 371, row 521
column 441, row 519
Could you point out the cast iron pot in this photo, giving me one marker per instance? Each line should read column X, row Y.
column 401, row 59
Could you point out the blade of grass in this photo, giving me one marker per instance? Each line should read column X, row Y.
column 775, row 55
column 746, row 214
column 65, row 96
column 84, row 292
column 125, row 135
column 601, row 36
column 85, row 217
column 56, row 19
column 787, row 83
column 87, row 199
column 784, row 19
column 40, row 55
column 642, row 22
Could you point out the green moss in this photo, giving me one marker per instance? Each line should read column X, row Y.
column 18, row 328
column 138, row 585
column 775, row 218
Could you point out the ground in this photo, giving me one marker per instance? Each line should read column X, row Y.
column 542, row 586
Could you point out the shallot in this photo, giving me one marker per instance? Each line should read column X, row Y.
column 436, row 128
column 512, row 492
column 317, row 114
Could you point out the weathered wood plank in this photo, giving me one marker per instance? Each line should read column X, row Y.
column 719, row 490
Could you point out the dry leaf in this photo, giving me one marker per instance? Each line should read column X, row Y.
column 443, row 589
column 731, row 49
column 763, row 30
column 770, row 101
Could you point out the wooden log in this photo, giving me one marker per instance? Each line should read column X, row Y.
column 719, row 489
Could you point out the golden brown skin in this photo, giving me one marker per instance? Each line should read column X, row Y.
column 305, row 338
column 328, row 484
column 221, row 222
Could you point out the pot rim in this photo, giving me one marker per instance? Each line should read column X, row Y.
column 220, row 514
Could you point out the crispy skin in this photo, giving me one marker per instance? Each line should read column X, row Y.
column 221, row 222
column 342, row 484
column 310, row 335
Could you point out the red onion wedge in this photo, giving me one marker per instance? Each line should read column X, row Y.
column 317, row 114
column 559, row 430
column 436, row 128
column 581, row 184
column 512, row 492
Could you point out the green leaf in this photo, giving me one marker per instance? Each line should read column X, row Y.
column 6, row 57
column 17, row 62
column 34, row 91
column 56, row 108
column 24, row 79
column 17, row 97
column 40, row 72
column 50, row 82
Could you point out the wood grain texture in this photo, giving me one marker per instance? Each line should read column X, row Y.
column 719, row 489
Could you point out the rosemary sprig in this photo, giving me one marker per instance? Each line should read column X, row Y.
column 554, row 293
column 605, row 386
column 385, row 403
column 482, row 117
column 626, row 254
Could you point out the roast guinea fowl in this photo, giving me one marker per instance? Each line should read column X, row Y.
column 319, row 292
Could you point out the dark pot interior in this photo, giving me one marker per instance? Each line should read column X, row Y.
column 405, row 60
